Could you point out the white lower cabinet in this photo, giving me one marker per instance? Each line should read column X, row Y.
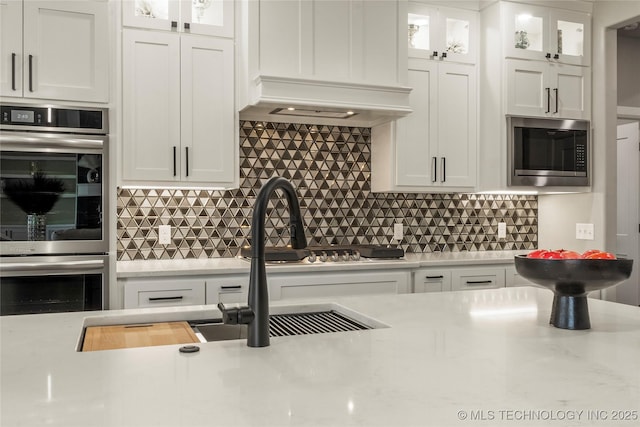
column 512, row 278
column 431, row 280
column 458, row 278
column 227, row 289
column 477, row 278
column 163, row 291
column 290, row 286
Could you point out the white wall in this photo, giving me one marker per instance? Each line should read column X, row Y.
column 628, row 66
column 558, row 214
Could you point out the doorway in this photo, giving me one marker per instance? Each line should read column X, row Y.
column 628, row 209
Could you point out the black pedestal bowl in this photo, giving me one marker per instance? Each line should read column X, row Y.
column 571, row 280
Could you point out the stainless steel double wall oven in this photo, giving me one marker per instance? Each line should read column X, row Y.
column 53, row 209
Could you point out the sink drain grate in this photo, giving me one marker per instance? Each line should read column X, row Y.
column 282, row 325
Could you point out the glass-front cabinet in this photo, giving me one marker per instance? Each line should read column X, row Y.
column 207, row 17
column 541, row 33
column 441, row 33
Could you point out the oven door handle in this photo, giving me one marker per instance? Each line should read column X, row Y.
column 65, row 266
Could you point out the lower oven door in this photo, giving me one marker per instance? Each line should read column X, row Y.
column 53, row 284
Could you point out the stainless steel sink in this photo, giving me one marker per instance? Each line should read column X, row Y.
column 286, row 324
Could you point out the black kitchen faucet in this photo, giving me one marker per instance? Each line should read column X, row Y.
column 256, row 314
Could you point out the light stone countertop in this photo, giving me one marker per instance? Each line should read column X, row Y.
column 150, row 268
column 469, row 358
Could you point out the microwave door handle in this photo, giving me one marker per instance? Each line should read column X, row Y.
column 556, row 93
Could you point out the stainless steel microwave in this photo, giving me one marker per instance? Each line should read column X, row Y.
column 548, row 152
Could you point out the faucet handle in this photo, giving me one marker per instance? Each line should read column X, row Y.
column 239, row 315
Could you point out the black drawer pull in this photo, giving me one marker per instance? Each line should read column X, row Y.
column 30, row 73
column 478, row 282
column 231, row 287
column 434, row 277
column 13, row 71
column 178, row 298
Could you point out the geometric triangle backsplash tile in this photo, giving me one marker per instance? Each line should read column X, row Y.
column 330, row 167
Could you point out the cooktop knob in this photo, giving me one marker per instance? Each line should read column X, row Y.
column 355, row 256
column 334, row 256
column 345, row 256
column 312, row 257
column 323, row 256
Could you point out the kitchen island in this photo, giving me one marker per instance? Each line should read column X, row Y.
column 466, row 358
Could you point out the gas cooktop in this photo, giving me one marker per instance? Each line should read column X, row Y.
column 333, row 253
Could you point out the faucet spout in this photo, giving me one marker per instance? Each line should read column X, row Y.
column 258, row 301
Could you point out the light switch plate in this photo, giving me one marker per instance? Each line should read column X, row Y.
column 502, row 230
column 164, row 234
column 584, row 231
column 398, row 231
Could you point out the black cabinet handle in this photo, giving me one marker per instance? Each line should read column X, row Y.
column 175, row 166
column 435, row 54
column 13, row 71
column 187, row 25
column 556, row 56
column 444, row 54
column 186, row 161
column 548, row 100
column 478, row 282
column 30, row 73
column 174, row 24
column 556, row 91
column 434, row 173
column 444, row 169
column 548, row 55
column 434, row 277
column 230, row 287
column 178, row 298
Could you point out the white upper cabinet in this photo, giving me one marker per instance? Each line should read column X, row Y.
column 548, row 90
column 434, row 148
column 179, row 123
column 206, row 17
column 54, row 50
column 442, row 33
column 541, row 33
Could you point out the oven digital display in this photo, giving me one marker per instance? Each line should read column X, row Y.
column 22, row 116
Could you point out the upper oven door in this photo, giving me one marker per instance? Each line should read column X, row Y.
column 53, row 193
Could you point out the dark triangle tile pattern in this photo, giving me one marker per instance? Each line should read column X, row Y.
column 330, row 166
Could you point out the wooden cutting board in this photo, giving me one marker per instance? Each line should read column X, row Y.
column 137, row 335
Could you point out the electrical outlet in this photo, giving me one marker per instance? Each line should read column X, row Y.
column 584, row 231
column 502, row 230
column 398, row 231
column 164, row 234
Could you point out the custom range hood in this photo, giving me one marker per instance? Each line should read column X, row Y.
column 333, row 62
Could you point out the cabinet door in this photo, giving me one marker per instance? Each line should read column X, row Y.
column 570, row 37
column 11, row 47
column 207, row 116
column 527, row 91
column 457, row 125
column 152, row 14
column 416, row 133
column 208, row 17
column 443, row 34
column 526, row 31
column 151, row 106
column 66, row 50
column 227, row 289
column 570, row 91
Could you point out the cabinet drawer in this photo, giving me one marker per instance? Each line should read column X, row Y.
column 477, row 279
column 429, row 280
column 161, row 293
column 227, row 289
